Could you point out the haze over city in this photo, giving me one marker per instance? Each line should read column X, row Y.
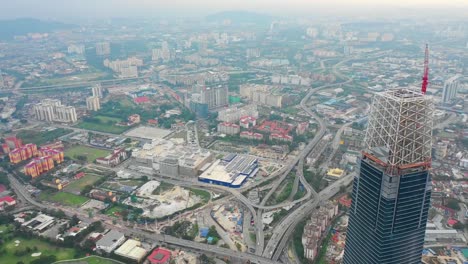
column 89, row 9
column 234, row 132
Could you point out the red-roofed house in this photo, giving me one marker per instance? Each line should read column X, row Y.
column 79, row 175
column 7, row 200
column 153, row 122
column 160, row 256
column 141, row 100
column 451, row 222
column 345, row 201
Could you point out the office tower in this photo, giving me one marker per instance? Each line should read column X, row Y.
column 92, row 103
column 97, row 90
column 450, row 89
column 391, row 193
column 103, row 48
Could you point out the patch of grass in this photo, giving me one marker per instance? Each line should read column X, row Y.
column 115, row 211
column 285, row 192
column 42, row 137
column 299, row 194
column 90, row 153
column 253, row 237
column 5, row 229
column 163, row 187
column 314, row 179
column 63, row 198
column 126, row 102
column 78, row 185
column 278, row 216
column 103, row 124
column 201, row 193
column 45, row 248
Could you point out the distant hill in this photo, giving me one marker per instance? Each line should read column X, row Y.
column 22, row 26
column 240, row 17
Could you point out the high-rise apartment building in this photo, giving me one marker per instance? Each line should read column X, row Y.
column 92, row 103
column 450, row 89
column 103, row 48
column 215, row 96
column 66, row 114
column 391, row 193
column 50, row 110
column 97, row 91
column 2, row 81
column 76, row 48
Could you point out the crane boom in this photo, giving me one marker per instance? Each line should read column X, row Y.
column 426, row 71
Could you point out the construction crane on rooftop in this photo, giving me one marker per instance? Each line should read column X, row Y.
column 426, row 71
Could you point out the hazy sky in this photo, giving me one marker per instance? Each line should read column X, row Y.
column 109, row 8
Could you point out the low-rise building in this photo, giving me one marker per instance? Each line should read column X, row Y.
column 232, row 171
column 134, row 119
column 7, row 201
column 131, row 249
column 160, row 256
column 281, row 137
column 110, row 241
column 251, row 135
column 39, row 223
column 335, row 173
column 228, row 128
column 113, row 159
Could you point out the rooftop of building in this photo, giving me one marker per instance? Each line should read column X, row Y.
column 159, row 255
column 110, row 238
column 131, row 249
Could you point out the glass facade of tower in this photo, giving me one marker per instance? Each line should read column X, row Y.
column 388, row 216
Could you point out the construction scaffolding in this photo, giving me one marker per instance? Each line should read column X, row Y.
column 400, row 125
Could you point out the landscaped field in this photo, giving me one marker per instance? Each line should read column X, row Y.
column 44, row 248
column 63, row 198
column 90, row 260
column 90, row 153
column 78, row 185
column 115, row 210
column 103, row 124
column 41, row 137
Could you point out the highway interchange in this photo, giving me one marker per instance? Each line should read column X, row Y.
column 300, row 208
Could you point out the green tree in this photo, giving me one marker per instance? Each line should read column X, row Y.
column 453, row 204
column 74, row 220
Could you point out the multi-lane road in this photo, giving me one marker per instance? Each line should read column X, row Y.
column 282, row 231
column 161, row 238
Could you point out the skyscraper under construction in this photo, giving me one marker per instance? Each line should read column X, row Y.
column 391, row 193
